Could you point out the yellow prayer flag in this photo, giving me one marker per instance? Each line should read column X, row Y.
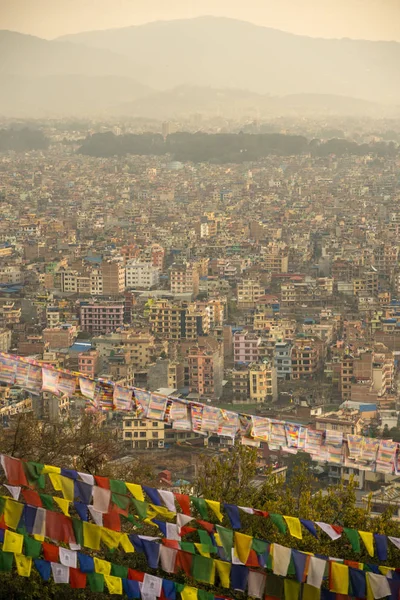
column 162, row 511
column 339, row 578
column 91, row 535
column 385, row 570
column 189, row 593
column 12, row 513
column 135, row 490
column 67, row 488
column 294, row 526
column 12, row 542
column 224, row 572
column 202, row 549
column 55, row 481
column 102, row 566
column 50, row 469
column 63, row 504
column 370, row 595
column 216, row 508
column 368, row 539
column 310, row 592
column 126, row 543
column 217, row 539
column 292, row 589
column 110, row 538
column 39, row 538
column 24, row 565
column 114, row 584
column 243, row 545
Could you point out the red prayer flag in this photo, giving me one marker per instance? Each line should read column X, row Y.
column 135, row 575
column 50, row 552
column 32, row 497
column 184, row 562
column 209, row 527
column 77, row 579
column 112, row 520
column 184, row 502
column 170, row 543
column 59, row 528
column 102, row 482
column 14, row 471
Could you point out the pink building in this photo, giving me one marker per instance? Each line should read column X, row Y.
column 246, row 347
column 101, row 317
column 87, row 363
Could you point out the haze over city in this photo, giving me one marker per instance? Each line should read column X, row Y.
column 200, row 299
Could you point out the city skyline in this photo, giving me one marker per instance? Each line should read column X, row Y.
column 332, row 19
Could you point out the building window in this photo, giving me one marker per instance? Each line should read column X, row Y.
column 128, row 423
column 155, row 434
column 142, row 434
column 128, row 434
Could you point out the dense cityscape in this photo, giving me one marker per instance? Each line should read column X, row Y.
column 199, row 300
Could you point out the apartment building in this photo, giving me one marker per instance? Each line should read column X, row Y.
column 5, row 340
column 240, row 384
column 61, row 336
column 113, row 275
column 263, row 383
column 206, row 371
column 275, row 257
column 143, row 435
column 368, row 377
column 184, row 279
column 306, row 358
column 283, row 359
column 101, row 317
column 88, row 363
column 366, row 284
column 306, row 291
column 167, row 320
column 249, row 292
column 246, row 347
column 141, row 346
column 141, row 275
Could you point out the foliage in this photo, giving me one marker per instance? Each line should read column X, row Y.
column 22, row 140
column 225, row 147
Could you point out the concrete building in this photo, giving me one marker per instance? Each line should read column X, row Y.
column 263, row 383
column 184, row 279
column 88, row 363
column 283, row 359
column 143, row 435
column 141, row 275
column 246, row 347
column 113, row 275
column 249, row 293
column 62, row 336
column 206, row 371
column 5, row 340
column 101, row 317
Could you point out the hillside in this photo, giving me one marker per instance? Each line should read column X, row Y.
column 225, row 53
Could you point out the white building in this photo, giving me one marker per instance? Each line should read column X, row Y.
column 141, row 275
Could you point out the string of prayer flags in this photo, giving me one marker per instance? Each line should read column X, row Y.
column 359, row 451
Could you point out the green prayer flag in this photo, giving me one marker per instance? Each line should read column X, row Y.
column 292, row 589
column 269, row 564
column 33, row 547
column 291, row 570
column 132, row 520
column 119, row 571
column 118, row 487
column 6, row 561
column 22, row 530
column 203, row 569
column 179, row 587
column 203, row 595
column 188, row 547
column 259, row 546
column 204, row 537
column 353, row 538
column 120, row 501
column 33, row 471
column 226, row 536
column 2, row 503
column 47, row 501
column 141, row 508
column 279, row 522
column 201, row 506
column 274, row 586
column 77, row 525
column 96, row 582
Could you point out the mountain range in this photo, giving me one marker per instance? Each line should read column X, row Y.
column 204, row 64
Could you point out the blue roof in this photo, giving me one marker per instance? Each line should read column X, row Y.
column 81, row 347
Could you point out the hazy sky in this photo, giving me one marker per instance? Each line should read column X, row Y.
column 368, row 19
